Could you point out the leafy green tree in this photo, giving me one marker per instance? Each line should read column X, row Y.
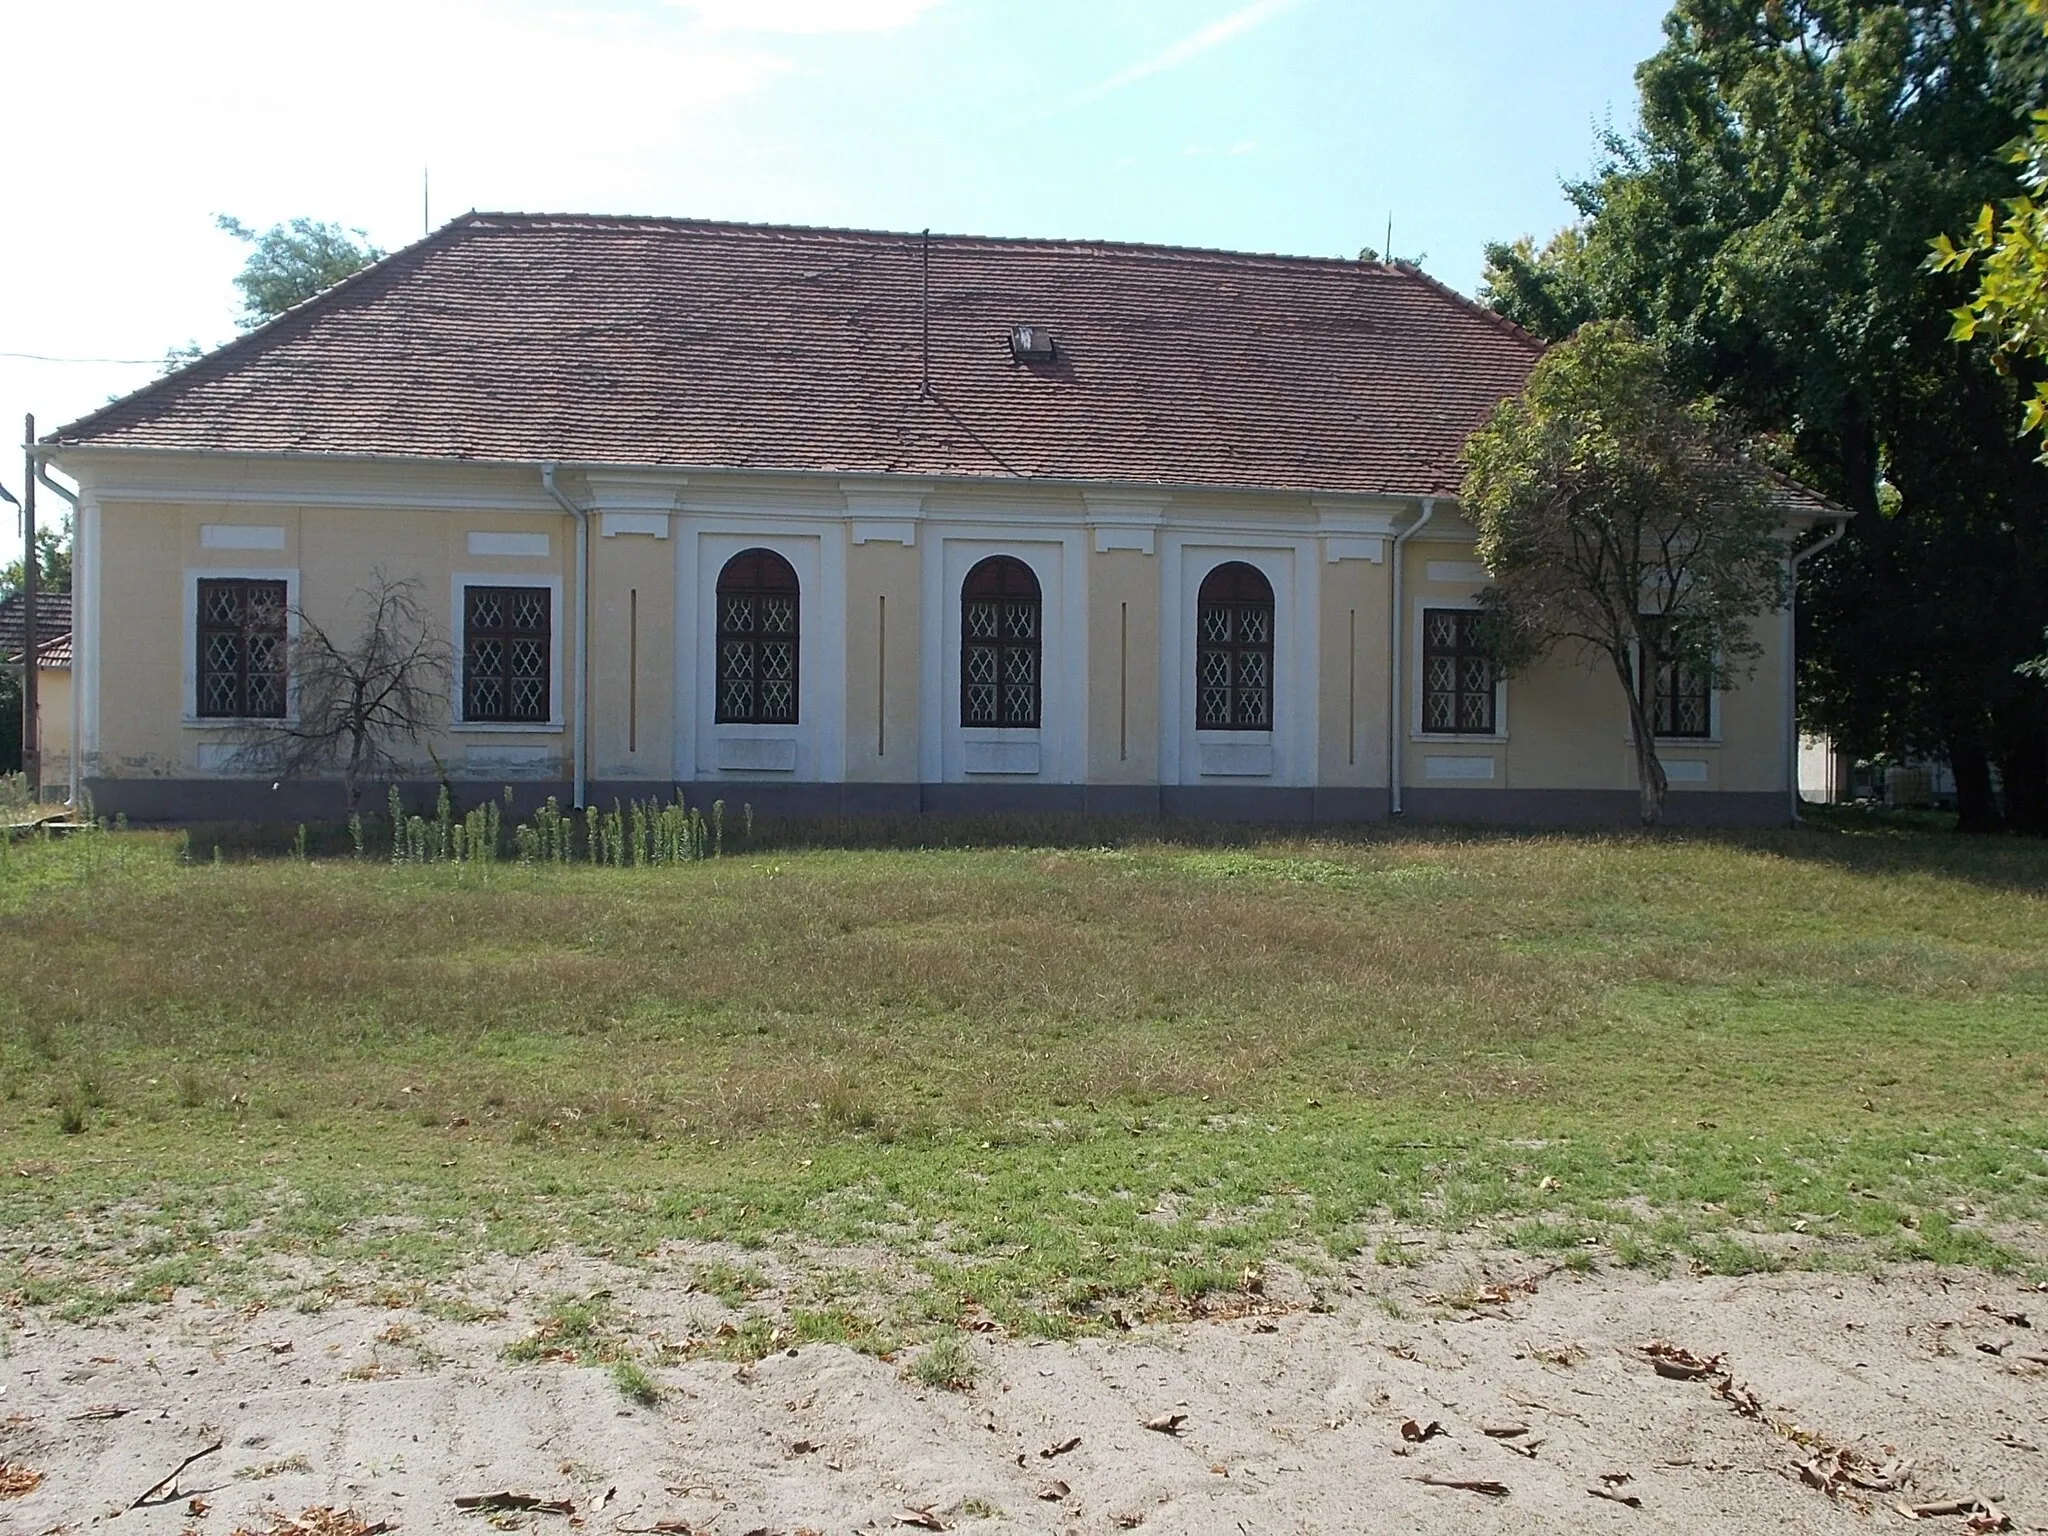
column 1546, row 292
column 1618, row 518
column 287, row 264
column 290, row 262
column 2010, row 307
column 1767, row 226
column 53, row 562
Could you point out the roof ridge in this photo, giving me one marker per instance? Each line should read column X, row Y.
column 913, row 237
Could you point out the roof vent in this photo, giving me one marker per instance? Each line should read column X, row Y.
column 1031, row 344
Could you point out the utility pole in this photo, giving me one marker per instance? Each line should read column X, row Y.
column 31, row 652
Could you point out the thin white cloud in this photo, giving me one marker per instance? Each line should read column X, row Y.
column 1235, row 24
column 806, row 16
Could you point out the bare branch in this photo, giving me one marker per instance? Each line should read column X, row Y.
column 358, row 700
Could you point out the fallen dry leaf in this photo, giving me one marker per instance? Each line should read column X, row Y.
column 16, row 1481
column 1978, row 1515
column 1054, row 1491
column 1503, row 1431
column 1060, row 1448
column 320, row 1520
column 1166, row 1423
column 1417, row 1433
column 1129, row 1522
column 1485, row 1485
column 1614, row 1495
column 2010, row 1319
column 516, row 1501
column 101, row 1411
column 1677, row 1364
column 1836, row 1469
column 661, row 1528
column 1740, row 1398
column 923, row 1516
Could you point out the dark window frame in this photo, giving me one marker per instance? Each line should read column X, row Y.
column 1474, row 702
column 246, row 625
column 508, row 634
column 750, row 586
column 998, row 595
column 1234, row 618
column 1672, row 685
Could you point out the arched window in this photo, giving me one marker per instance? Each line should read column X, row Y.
column 1234, row 650
column 999, row 644
column 757, row 640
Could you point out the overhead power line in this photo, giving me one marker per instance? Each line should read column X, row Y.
column 41, row 357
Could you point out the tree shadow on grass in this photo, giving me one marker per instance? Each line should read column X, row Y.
column 1881, row 844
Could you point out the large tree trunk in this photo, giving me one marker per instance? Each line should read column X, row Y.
column 1651, row 784
column 2023, row 768
column 1976, row 806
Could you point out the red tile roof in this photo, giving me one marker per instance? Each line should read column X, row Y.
column 676, row 342
column 53, row 627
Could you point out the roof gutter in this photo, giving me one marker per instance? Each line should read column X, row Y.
column 580, row 672
column 79, row 660
column 1396, row 701
column 1799, row 557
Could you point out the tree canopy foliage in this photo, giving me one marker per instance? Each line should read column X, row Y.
column 1619, row 516
column 288, row 263
column 1768, row 225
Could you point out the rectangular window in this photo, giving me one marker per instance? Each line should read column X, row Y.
column 241, row 649
column 507, row 640
column 1458, row 677
column 1683, row 703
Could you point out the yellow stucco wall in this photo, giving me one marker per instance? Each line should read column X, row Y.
column 884, row 634
column 1353, row 678
column 1566, row 721
column 1123, row 667
column 155, row 553
column 1565, row 725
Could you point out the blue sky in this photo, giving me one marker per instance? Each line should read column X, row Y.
column 1272, row 125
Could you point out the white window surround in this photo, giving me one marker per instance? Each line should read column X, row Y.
column 1291, row 566
column 813, row 749
column 1056, row 555
column 189, row 715
column 557, row 622
column 1417, row 672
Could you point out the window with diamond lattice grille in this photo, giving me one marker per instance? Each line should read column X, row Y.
column 1000, row 608
column 507, row 637
column 1234, row 650
column 1458, row 676
column 241, row 649
column 758, row 616
column 1682, row 700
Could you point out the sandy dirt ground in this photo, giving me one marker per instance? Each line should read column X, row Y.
column 1292, row 1421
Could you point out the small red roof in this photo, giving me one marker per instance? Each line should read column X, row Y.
column 53, row 627
column 641, row 341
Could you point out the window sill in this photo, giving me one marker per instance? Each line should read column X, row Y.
column 508, row 727
column 1454, row 739
column 234, row 722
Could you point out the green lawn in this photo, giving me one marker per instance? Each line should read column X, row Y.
column 1040, row 1069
